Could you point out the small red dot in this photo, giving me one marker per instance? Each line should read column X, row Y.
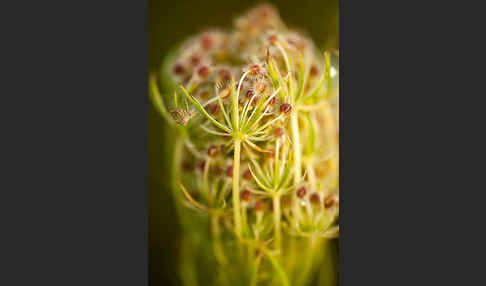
column 224, row 74
column 245, row 195
column 201, row 165
column 315, row 198
column 272, row 39
column 273, row 100
column 178, row 69
column 254, row 69
column 195, row 60
column 206, row 41
column 213, row 150
column 301, row 192
column 330, row 201
column 259, row 206
column 285, row 108
column 247, row 175
column 229, row 171
column 203, row 71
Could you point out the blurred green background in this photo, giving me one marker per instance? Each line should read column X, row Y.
column 170, row 22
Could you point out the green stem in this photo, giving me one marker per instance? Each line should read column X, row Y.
column 215, row 231
column 236, row 189
column 176, row 174
column 276, row 219
column 308, row 262
column 296, row 140
column 254, row 274
column 297, row 155
column 278, row 268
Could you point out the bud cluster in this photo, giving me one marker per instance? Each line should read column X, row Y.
column 256, row 112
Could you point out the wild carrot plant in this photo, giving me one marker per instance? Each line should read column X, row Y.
column 254, row 124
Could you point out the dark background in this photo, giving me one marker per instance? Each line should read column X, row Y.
column 168, row 23
column 74, row 139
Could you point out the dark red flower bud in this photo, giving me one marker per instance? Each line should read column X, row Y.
column 229, row 171
column 201, row 165
column 247, row 175
column 315, row 198
column 255, row 100
column 224, row 74
column 314, row 71
column 285, row 108
column 203, row 71
column 301, row 192
column 272, row 39
column 330, row 200
column 206, row 41
column 212, row 108
column 260, row 87
column 250, row 93
column 195, row 60
column 213, row 151
column 245, row 195
column 178, row 68
column 273, row 100
column 254, row 69
column 259, row 206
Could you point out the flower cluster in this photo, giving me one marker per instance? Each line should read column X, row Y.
column 256, row 112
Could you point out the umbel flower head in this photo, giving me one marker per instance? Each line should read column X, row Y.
column 255, row 111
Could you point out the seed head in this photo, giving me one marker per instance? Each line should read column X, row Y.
column 181, row 116
column 301, row 192
column 285, row 108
